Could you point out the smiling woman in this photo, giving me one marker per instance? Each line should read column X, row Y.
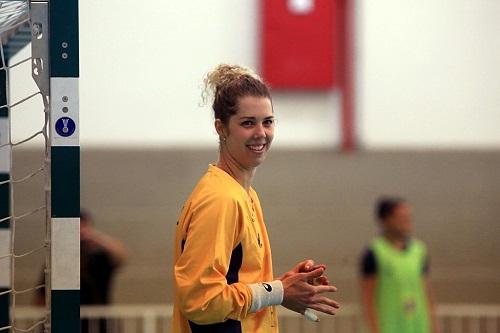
column 222, row 264
column 247, row 137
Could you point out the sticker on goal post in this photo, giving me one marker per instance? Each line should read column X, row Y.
column 65, row 253
column 64, row 116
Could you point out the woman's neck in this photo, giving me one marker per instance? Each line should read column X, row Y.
column 242, row 175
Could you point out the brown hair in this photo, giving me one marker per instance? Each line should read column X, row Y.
column 227, row 83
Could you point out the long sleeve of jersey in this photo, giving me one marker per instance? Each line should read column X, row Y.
column 201, row 272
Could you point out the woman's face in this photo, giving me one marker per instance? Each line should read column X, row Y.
column 249, row 132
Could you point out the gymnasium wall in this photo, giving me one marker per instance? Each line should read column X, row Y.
column 427, row 75
column 427, row 101
column 317, row 204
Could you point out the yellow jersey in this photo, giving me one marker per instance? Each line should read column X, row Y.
column 221, row 247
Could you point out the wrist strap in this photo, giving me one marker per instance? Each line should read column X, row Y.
column 266, row 294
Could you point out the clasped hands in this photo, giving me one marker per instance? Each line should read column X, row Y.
column 304, row 287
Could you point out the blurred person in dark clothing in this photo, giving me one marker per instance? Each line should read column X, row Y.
column 100, row 257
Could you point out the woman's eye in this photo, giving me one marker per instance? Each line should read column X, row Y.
column 247, row 123
column 269, row 122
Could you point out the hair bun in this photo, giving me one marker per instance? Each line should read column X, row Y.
column 224, row 75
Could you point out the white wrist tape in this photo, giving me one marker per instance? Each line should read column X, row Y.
column 266, row 294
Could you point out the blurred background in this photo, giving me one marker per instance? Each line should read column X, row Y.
column 410, row 107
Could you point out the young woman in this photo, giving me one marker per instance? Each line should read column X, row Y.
column 222, row 267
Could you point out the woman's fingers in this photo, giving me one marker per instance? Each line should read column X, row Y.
column 325, row 305
column 313, row 274
column 325, row 289
column 305, row 286
column 316, row 278
column 328, row 301
column 304, row 266
column 323, row 280
column 330, row 310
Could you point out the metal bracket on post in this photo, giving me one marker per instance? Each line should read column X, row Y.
column 39, row 21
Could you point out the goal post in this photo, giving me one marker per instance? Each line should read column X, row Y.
column 52, row 28
column 64, row 166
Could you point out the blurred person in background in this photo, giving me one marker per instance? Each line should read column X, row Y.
column 100, row 257
column 396, row 291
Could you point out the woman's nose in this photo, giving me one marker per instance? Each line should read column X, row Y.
column 259, row 131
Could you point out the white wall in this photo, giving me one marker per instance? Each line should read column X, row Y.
column 428, row 74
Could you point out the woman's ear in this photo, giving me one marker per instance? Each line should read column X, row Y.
column 219, row 127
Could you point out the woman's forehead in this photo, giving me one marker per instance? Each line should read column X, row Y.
column 249, row 105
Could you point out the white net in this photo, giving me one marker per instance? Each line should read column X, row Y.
column 25, row 129
column 12, row 14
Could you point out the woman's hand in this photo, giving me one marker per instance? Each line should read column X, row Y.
column 304, row 287
column 307, row 266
